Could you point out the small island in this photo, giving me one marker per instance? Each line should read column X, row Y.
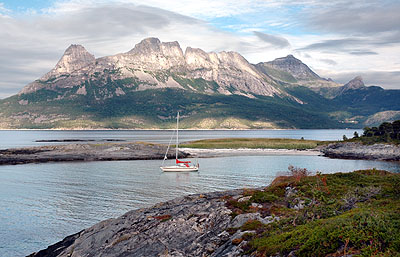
column 86, row 152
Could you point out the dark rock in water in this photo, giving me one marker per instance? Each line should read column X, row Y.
column 187, row 226
column 63, row 140
column 76, row 140
column 385, row 152
column 57, row 248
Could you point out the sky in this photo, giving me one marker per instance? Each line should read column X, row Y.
column 338, row 39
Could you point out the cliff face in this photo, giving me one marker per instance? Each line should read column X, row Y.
column 154, row 64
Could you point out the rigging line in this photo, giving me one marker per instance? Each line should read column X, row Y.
column 169, row 144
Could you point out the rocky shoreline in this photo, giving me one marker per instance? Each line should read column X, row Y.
column 111, row 151
column 351, row 150
column 86, row 152
column 192, row 225
column 297, row 215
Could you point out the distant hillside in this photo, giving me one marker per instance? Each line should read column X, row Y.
column 146, row 86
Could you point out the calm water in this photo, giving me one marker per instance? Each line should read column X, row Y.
column 15, row 138
column 42, row 203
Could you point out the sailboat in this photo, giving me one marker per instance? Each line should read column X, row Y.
column 179, row 165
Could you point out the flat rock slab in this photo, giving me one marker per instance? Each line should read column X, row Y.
column 86, row 152
column 186, row 226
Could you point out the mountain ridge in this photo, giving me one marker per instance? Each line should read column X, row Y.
column 145, row 87
column 231, row 71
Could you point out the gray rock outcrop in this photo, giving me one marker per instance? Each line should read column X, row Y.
column 384, row 152
column 187, row 226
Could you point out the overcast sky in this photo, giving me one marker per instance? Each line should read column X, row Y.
column 339, row 39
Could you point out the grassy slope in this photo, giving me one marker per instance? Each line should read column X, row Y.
column 269, row 143
column 360, row 103
column 344, row 213
column 157, row 109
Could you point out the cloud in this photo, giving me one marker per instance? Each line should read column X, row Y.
column 352, row 46
column 274, row 40
column 363, row 52
column 328, row 61
column 368, row 23
column 333, row 44
column 194, row 8
column 359, row 18
column 2, row 8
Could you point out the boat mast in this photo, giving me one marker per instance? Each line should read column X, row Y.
column 177, row 128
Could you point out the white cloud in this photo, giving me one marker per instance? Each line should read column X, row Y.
column 3, row 11
column 274, row 40
column 195, row 8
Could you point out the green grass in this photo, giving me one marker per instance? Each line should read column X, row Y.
column 254, row 143
column 355, row 213
column 158, row 107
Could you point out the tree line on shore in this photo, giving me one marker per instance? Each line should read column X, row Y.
column 388, row 132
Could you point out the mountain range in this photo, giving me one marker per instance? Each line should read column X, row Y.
column 146, row 86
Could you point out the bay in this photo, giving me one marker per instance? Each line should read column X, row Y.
column 23, row 138
column 40, row 204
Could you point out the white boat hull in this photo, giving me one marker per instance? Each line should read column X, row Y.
column 179, row 168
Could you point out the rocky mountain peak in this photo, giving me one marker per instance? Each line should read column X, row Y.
column 355, row 83
column 289, row 59
column 153, row 45
column 153, row 54
column 75, row 58
column 295, row 67
column 147, row 45
column 75, row 48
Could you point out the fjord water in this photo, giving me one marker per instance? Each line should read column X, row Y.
column 18, row 138
column 40, row 204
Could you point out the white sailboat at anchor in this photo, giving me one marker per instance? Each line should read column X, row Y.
column 179, row 165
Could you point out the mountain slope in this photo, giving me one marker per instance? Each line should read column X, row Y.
column 146, row 86
column 156, row 108
column 290, row 71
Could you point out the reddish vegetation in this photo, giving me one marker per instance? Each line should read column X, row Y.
column 163, row 217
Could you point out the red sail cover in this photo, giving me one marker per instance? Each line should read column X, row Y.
column 178, row 161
